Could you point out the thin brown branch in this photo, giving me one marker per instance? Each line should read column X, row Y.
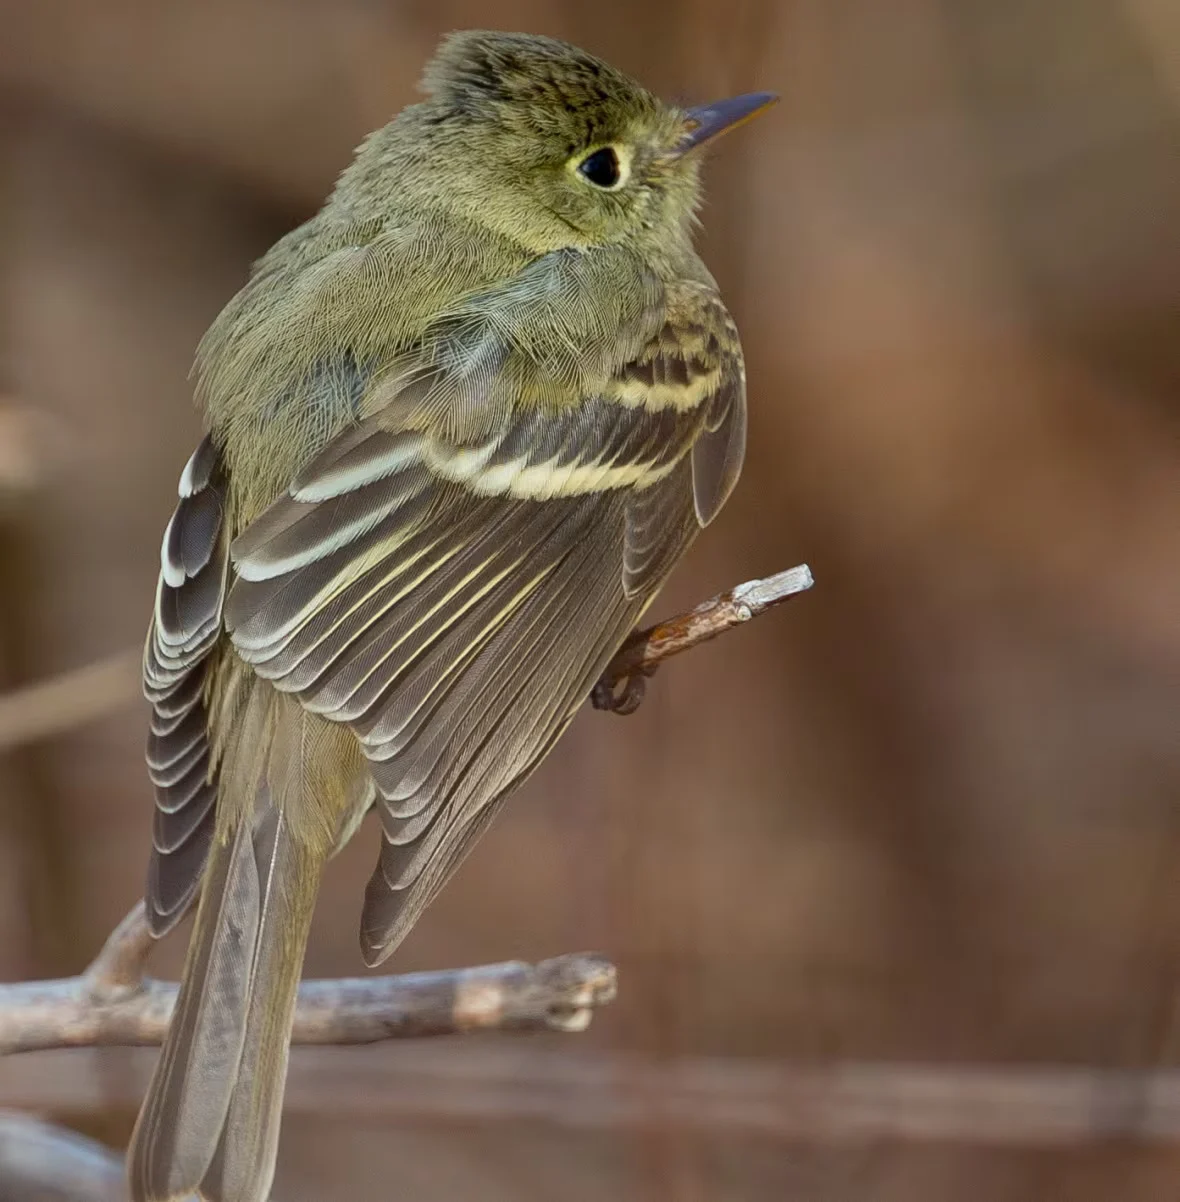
column 112, row 1002
column 63, row 702
column 646, row 649
column 118, row 968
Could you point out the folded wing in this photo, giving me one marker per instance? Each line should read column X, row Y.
column 455, row 601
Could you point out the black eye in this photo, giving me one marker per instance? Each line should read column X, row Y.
column 601, row 168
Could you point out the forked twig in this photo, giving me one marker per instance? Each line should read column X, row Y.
column 645, row 650
column 113, row 1002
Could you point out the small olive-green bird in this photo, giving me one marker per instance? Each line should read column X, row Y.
column 461, row 425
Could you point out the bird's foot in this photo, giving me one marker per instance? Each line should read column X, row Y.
column 621, row 696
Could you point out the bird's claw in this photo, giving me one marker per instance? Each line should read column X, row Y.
column 620, row 697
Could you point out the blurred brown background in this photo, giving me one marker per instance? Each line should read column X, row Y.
column 927, row 813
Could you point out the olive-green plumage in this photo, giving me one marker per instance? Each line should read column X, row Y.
column 461, row 425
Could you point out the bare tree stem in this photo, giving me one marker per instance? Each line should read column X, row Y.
column 645, row 650
column 112, row 1002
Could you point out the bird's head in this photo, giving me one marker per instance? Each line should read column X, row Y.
column 565, row 149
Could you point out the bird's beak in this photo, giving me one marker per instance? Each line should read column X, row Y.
column 709, row 121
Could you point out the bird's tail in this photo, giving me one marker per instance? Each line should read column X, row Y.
column 210, row 1121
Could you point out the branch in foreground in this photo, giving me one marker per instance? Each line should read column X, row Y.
column 43, row 1163
column 645, row 650
column 112, row 1003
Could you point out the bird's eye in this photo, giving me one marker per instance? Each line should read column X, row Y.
column 602, row 169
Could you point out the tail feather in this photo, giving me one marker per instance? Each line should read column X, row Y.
column 243, row 1166
column 210, row 1122
column 186, row 1104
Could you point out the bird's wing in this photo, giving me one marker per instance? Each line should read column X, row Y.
column 453, row 597
column 185, row 626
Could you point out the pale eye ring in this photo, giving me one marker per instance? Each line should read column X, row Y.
column 604, row 169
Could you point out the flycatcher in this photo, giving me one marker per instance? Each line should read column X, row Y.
column 461, row 425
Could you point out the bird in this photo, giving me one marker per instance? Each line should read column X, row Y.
column 460, row 425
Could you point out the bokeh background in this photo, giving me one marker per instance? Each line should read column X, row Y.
column 927, row 814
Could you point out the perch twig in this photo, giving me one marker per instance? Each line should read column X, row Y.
column 645, row 650
column 113, row 1002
